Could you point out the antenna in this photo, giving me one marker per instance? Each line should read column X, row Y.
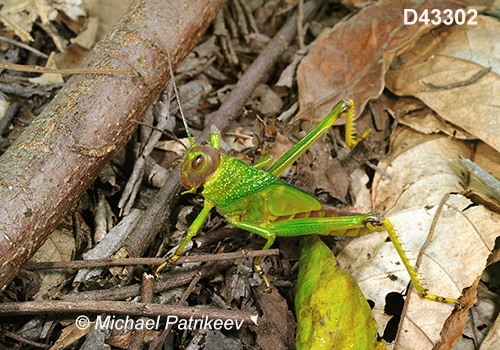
column 188, row 133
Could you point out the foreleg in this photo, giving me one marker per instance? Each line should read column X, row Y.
column 191, row 232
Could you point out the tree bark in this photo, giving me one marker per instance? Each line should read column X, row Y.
column 59, row 155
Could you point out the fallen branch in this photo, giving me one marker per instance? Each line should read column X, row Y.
column 59, row 155
column 175, row 279
column 123, row 308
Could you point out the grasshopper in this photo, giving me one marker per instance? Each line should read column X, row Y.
column 257, row 201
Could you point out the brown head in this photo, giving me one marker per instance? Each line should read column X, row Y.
column 200, row 162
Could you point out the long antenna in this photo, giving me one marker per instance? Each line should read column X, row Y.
column 188, row 133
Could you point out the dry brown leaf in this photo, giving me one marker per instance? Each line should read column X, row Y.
column 452, row 55
column 351, row 59
column 264, row 100
column 48, row 78
column 448, row 265
column 454, row 260
column 58, row 247
column 174, row 146
column 481, row 320
column 277, row 324
column 451, row 256
column 324, row 175
column 108, row 12
column 71, row 334
column 414, row 113
column 87, row 38
column 72, row 9
column 359, row 191
column 423, row 168
column 19, row 16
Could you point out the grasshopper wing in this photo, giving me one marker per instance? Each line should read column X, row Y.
column 284, row 199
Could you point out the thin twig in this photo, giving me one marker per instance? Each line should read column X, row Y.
column 241, row 21
column 123, row 308
column 255, row 73
column 300, row 17
column 24, row 46
column 132, row 187
column 40, row 69
column 466, row 82
column 146, row 297
column 173, row 279
column 79, row 264
column 24, row 341
column 486, row 179
column 379, row 170
column 249, row 15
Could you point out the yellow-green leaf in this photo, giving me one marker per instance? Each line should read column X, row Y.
column 332, row 313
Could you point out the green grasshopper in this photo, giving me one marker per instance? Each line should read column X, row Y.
column 257, row 201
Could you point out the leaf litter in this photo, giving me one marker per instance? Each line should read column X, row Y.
column 449, row 55
column 424, row 168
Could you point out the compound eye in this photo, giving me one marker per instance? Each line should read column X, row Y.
column 198, row 162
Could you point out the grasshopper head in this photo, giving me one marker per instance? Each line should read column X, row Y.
column 200, row 163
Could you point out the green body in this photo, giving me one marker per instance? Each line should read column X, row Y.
column 244, row 193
